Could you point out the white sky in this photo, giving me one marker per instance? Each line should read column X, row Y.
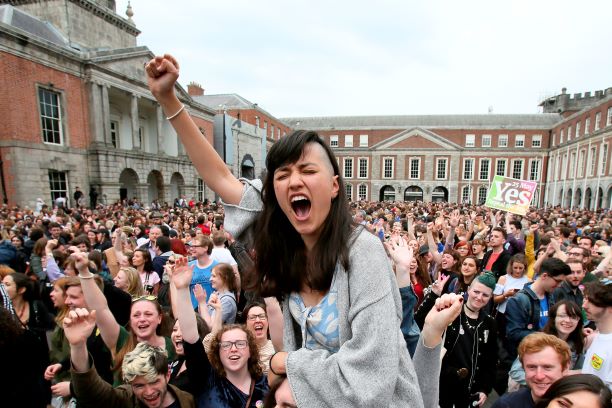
column 341, row 57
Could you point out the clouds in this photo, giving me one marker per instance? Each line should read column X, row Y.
column 315, row 58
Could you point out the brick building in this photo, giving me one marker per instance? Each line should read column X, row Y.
column 78, row 111
column 454, row 157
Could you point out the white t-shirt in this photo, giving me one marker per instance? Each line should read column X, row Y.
column 223, row 255
column 598, row 358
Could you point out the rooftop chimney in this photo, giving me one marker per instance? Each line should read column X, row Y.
column 195, row 89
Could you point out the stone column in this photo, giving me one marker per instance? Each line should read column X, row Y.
column 95, row 112
column 106, row 114
column 160, row 129
column 135, row 122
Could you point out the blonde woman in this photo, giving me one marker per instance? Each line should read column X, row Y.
column 128, row 280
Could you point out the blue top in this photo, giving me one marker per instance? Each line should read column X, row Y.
column 319, row 323
column 201, row 276
column 543, row 312
column 521, row 398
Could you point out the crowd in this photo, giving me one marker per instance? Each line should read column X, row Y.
column 286, row 295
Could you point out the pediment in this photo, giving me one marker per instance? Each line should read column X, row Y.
column 417, row 138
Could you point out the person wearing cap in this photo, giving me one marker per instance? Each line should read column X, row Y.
column 468, row 367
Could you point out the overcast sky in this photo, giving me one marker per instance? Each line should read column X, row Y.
column 340, row 57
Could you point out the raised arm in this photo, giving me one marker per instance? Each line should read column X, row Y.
column 95, row 299
column 275, row 322
column 78, row 325
column 200, row 295
column 162, row 73
column 181, row 278
column 433, row 247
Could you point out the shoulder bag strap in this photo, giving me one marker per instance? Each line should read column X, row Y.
column 250, row 394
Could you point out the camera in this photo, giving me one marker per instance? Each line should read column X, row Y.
column 148, row 289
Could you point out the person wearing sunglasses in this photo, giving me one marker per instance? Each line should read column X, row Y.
column 144, row 325
column 230, row 375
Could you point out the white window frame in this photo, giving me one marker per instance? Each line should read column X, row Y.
column 572, row 165
column 581, row 162
column 505, row 161
column 564, row 167
column 45, row 114
column 554, row 139
column 609, row 117
column 333, row 141
column 438, row 161
column 519, row 141
column 592, row 160
column 114, row 133
column 536, row 141
column 363, row 140
column 577, row 130
column 348, row 174
column 561, row 136
column 56, row 179
column 349, row 191
column 597, row 121
column 367, row 167
column 480, row 197
column 538, row 170
column 502, row 141
column 466, row 198
column 470, row 140
column 603, row 159
column 569, row 133
column 514, row 161
column 558, row 168
column 480, row 173
column 348, row 140
column 384, row 163
column 363, row 196
column 587, row 126
column 200, row 189
column 418, row 160
column 486, row 140
column 471, row 174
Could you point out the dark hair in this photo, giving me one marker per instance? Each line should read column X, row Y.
column 517, row 224
column 502, row 231
column 456, row 268
column 421, row 273
column 599, row 293
column 226, row 273
column 270, row 400
column 81, row 239
column 249, row 306
column 148, row 263
column 555, row 267
column 205, row 241
column 253, row 365
column 572, row 310
column 163, row 243
column 282, row 265
column 23, row 281
column 36, row 234
column 574, row 383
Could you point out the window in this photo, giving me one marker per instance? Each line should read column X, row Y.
column 482, row 195
column 415, row 168
column 534, row 170
column 333, row 141
column 603, row 159
column 257, row 121
column 503, row 141
column 348, row 167
column 470, row 140
column 500, row 168
column 485, row 165
column 609, row 120
column 58, row 186
column 272, row 131
column 564, row 167
column 569, row 133
column 388, row 167
column 554, row 139
column 141, row 136
column 562, row 136
column 200, row 190
column 558, row 168
column 362, row 192
column 587, row 126
column 517, row 169
column 466, row 194
column 597, row 120
column 266, row 127
column 581, row 155
column 50, row 116
column 536, row 141
column 486, row 140
column 363, row 140
column 519, row 141
column 441, row 169
column 592, row 161
column 114, row 132
column 363, row 167
column 349, row 191
column 572, row 165
column 348, row 140
column 577, row 130
column 468, row 169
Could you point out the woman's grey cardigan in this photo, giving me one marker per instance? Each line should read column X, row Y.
column 372, row 367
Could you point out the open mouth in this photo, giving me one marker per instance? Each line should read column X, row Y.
column 301, row 206
column 234, row 357
column 151, row 399
column 259, row 329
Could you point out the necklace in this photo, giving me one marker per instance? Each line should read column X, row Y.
column 469, row 326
